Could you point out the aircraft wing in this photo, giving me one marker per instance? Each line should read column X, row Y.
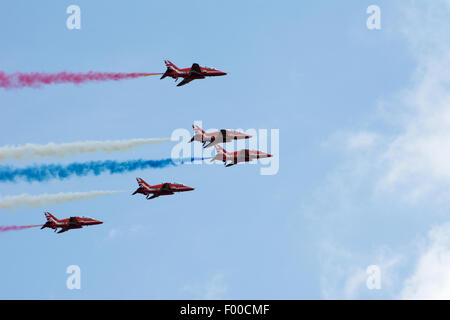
column 166, row 187
column 63, row 230
column 242, row 156
column 182, row 83
column 195, row 69
column 73, row 222
column 231, row 164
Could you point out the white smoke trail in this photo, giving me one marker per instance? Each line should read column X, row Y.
column 26, row 200
column 29, row 151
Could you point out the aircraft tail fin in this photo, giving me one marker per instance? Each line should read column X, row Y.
column 170, row 65
column 197, row 129
column 50, row 217
column 141, row 182
column 198, row 134
column 170, row 68
column 142, row 186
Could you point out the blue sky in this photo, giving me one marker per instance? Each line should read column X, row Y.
column 359, row 113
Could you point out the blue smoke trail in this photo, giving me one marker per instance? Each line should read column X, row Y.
column 55, row 171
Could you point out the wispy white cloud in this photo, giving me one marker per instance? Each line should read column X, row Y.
column 415, row 161
column 361, row 140
column 344, row 273
column 113, row 233
column 214, row 288
column 410, row 162
column 431, row 276
column 419, row 156
column 136, row 229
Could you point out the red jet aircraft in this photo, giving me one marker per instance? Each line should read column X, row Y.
column 157, row 190
column 189, row 74
column 216, row 137
column 69, row 223
column 235, row 157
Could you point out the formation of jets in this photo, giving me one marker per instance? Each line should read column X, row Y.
column 167, row 188
column 223, row 136
column 208, row 139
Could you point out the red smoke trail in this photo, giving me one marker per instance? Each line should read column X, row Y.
column 16, row 228
column 37, row 79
